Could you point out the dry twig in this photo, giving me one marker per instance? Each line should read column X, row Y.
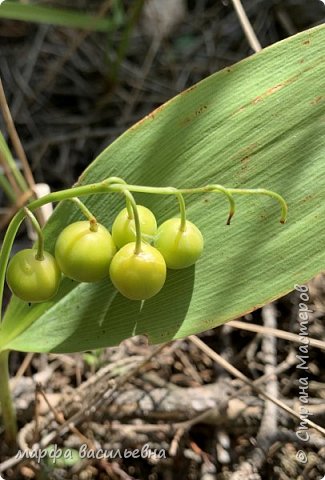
column 247, row 26
column 234, row 371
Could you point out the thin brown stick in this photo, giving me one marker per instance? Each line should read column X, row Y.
column 15, row 138
column 25, row 364
column 274, row 332
column 236, row 373
column 175, row 442
column 247, row 26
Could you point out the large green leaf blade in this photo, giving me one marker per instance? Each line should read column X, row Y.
column 257, row 124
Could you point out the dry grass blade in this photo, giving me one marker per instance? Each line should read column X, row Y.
column 236, row 373
column 246, row 25
column 274, row 332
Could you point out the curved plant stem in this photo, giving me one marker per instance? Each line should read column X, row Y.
column 269, row 193
column 7, row 406
column 208, row 188
column 136, row 221
column 87, row 213
column 6, row 248
column 221, row 189
column 127, row 200
column 119, row 180
column 40, row 237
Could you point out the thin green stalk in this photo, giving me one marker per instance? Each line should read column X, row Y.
column 136, row 221
column 7, row 406
column 87, row 213
column 40, row 237
column 6, row 187
column 133, row 16
column 11, row 164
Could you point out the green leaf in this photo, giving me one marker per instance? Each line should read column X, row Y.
column 256, row 124
column 31, row 12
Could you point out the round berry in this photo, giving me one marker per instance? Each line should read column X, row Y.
column 138, row 276
column 33, row 280
column 123, row 230
column 84, row 255
column 180, row 249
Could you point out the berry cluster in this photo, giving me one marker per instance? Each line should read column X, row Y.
column 135, row 256
column 85, row 251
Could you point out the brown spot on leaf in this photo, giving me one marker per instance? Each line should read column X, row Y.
column 244, row 161
column 306, row 42
column 316, row 100
column 150, row 116
column 268, row 92
column 307, row 198
column 191, row 117
column 201, row 109
column 275, row 89
column 193, row 87
column 240, row 109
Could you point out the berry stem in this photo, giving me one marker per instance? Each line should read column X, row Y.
column 127, row 200
column 87, row 213
column 182, row 209
column 221, row 189
column 138, row 240
column 40, row 237
column 269, row 193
